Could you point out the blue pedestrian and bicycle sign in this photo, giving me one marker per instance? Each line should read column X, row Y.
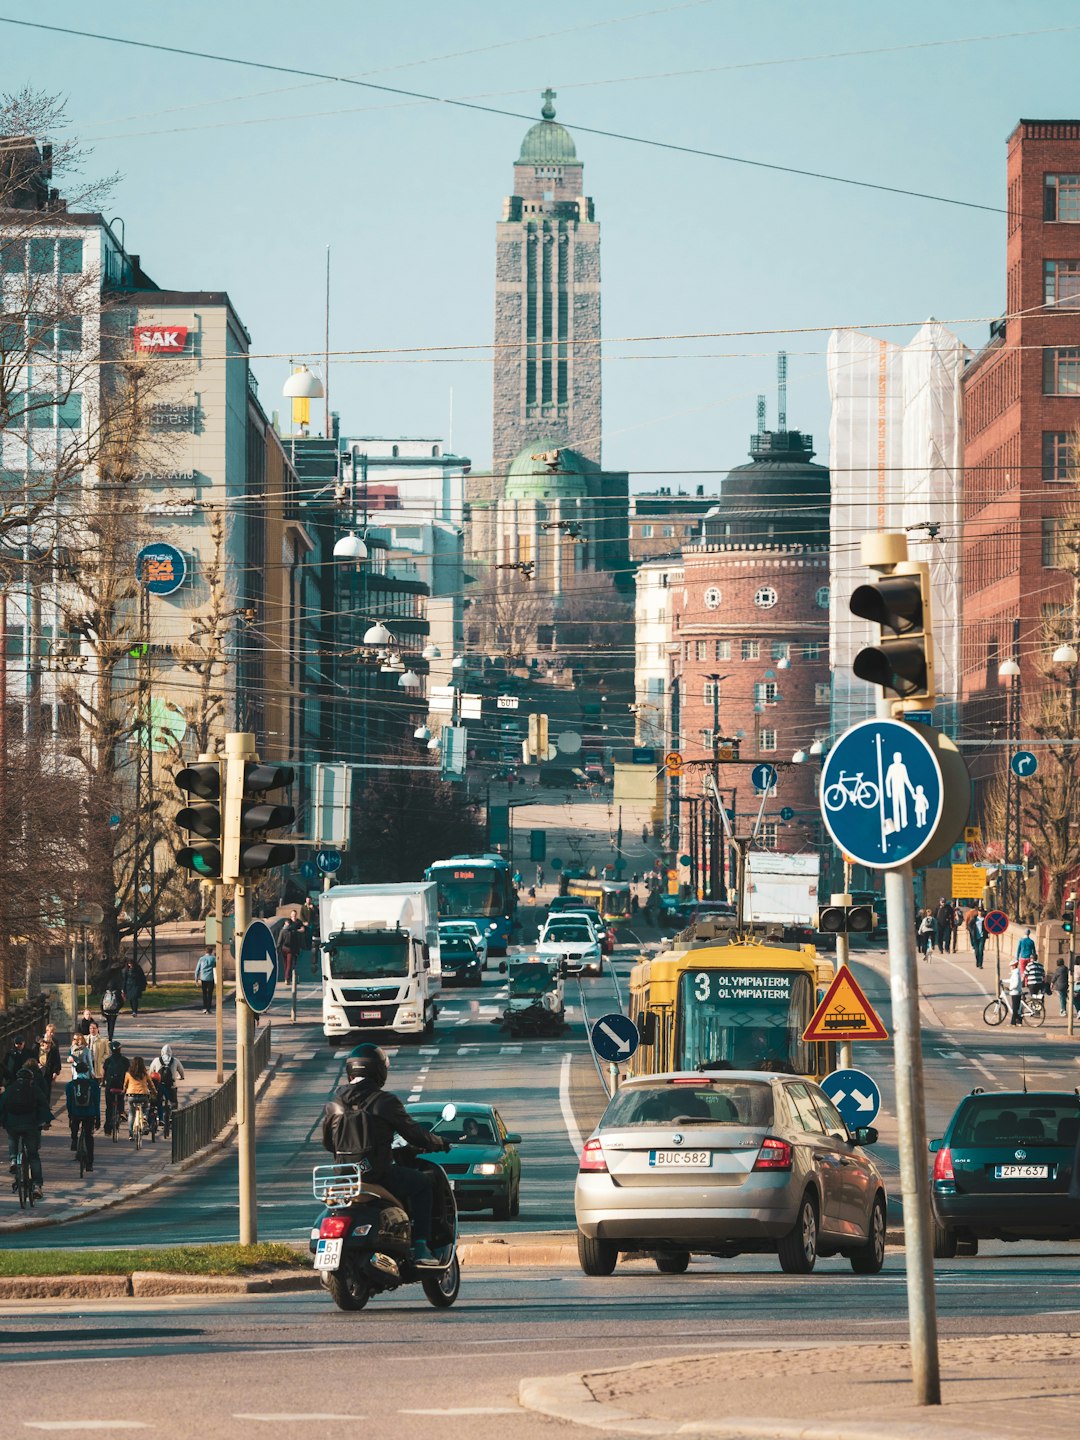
column 328, row 861
column 1024, row 763
column 614, row 1037
column 855, row 1094
column 763, row 777
column 882, row 793
column 258, row 965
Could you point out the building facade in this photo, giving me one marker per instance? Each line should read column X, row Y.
column 658, row 582
column 661, row 521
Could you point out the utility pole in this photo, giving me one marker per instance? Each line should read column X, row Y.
column 1071, row 1007
column 239, row 751
column 219, row 989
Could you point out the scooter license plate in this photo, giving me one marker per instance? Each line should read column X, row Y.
column 328, row 1254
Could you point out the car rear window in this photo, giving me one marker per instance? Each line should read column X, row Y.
column 1030, row 1120
column 732, row 1102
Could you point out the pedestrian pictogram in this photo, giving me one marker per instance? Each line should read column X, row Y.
column 845, row 1013
column 673, row 762
column 996, row 923
column 1024, row 763
column 328, row 861
column 882, row 793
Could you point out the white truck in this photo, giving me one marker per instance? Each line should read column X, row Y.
column 782, row 890
column 380, row 960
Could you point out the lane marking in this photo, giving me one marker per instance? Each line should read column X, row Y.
column 468, row 1410
column 284, row 1418
column 509, row 1049
column 86, row 1425
column 572, row 1131
column 413, row 1098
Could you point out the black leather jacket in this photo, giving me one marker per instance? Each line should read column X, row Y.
column 361, row 1121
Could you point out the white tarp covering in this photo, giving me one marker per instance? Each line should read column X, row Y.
column 896, row 462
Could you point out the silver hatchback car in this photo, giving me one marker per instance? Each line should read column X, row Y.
column 726, row 1162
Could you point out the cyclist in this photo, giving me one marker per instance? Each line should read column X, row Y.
column 115, row 1068
column 83, row 1096
column 167, row 1068
column 24, row 1113
column 139, row 1092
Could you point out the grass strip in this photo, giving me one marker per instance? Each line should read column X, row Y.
column 180, row 1259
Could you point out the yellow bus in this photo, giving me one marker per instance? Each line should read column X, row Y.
column 744, row 1004
column 611, row 897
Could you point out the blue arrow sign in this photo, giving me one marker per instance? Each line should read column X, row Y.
column 787, row 813
column 258, row 965
column 882, row 793
column 855, row 1094
column 328, row 861
column 1024, row 763
column 614, row 1037
column 763, row 777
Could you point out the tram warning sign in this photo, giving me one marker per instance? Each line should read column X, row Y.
column 845, row 1013
column 673, row 762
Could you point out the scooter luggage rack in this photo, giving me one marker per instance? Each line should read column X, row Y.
column 336, row 1184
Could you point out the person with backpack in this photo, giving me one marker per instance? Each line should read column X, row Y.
column 82, row 1094
column 115, row 1069
column 112, row 1001
column 927, row 934
column 133, row 983
column 167, row 1068
column 24, row 1113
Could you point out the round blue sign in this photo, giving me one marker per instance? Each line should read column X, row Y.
column 787, row 813
column 328, row 861
column 882, row 793
column 763, row 777
column 556, row 864
column 855, row 1094
column 258, row 965
column 309, row 870
column 615, row 1037
column 1024, row 763
column 161, row 568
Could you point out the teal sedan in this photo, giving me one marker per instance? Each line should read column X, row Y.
column 483, row 1165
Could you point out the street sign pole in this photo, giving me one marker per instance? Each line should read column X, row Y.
column 219, row 993
column 245, row 1080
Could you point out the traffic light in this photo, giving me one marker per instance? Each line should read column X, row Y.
column 903, row 659
column 538, row 737
column 250, row 817
column 846, row 919
column 1068, row 915
column 203, row 782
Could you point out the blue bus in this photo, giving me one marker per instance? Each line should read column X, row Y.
column 480, row 888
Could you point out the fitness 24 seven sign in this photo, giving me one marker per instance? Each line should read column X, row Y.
column 161, row 339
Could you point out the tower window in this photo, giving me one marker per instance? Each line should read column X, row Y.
column 1062, row 283
column 1061, row 370
column 1061, row 197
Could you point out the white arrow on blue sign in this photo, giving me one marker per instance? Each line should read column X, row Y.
column 258, row 965
column 882, row 793
column 614, row 1037
column 1024, row 763
column 855, row 1094
column 763, row 777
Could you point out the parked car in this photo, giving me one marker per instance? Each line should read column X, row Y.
column 572, row 942
column 725, row 1163
column 1003, row 1170
column 476, row 934
column 461, row 963
column 483, row 1166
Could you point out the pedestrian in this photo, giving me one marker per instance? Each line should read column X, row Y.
column 98, row 1046
column 205, row 973
column 944, row 925
column 83, row 1026
column 48, row 1059
column 517, row 879
column 14, row 1060
column 1035, row 976
column 1025, row 951
column 927, row 934
column 133, row 984
column 1015, row 987
column 111, row 1001
column 539, row 877
column 78, row 1052
column 977, row 931
column 1059, row 984
column 289, row 944
column 82, row 1095
column 635, row 903
column 116, row 1067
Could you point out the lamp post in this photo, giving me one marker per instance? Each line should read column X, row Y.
column 714, row 818
column 1009, row 670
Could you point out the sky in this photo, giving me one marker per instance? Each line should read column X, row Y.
column 239, row 179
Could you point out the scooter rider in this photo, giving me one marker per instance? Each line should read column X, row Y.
column 359, row 1124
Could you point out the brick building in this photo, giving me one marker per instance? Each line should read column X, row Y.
column 661, row 521
column 753, row 610
column 1021, row 407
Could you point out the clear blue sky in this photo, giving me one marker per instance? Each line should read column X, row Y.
column 238, row 179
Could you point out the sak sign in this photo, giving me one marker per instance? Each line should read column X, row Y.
column 161, row 339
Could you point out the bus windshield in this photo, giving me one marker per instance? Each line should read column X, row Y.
column 748, row 1019
column 478, row 893
column 369, row 956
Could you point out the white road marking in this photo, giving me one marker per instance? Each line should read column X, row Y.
column 509, row 1049
column 413, row 1097
column 468, row 1410
column 572, row 1131
column 467, row 1049
column 86, row 1425
column 462, row 1022
column 284, row 1418
column 428, row 1050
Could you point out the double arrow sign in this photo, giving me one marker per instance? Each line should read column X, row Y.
column 864, row 1102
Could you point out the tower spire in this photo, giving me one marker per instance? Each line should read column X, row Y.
column 548, row 109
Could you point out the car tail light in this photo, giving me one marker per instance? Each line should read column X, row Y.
column 592, row 1159
column 774, row 1154
column 333, row 1227
column 943, row 1166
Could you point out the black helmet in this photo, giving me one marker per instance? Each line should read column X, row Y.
column 368, row 1062
column 114, row 1046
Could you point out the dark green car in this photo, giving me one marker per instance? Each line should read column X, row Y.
column 483, row 1165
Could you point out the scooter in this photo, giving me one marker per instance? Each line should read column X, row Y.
column 362, row 1243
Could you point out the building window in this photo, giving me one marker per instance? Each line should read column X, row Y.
column 768, row 835
column 70, row 412
column 812, row 650
column 70, row 256
column 669, row 532
column 1061, row 370
column 395, row 451
column 1056, row 456
column 69, row 333
column 646, row 532
column 689, row 645
column 768, row 740
column 766, row 693
column 1056, row 555
column 1062, row 283
column 1061, row 198
column 722, row 650
column 42, row 254
column 765, row 597
column 707, row 739
column 688, row 529
column 781, row 650
column 435, row 452
column 821, row 598
column 751, row 649
column 710, row 692
column 822, row 693
column 701, row 648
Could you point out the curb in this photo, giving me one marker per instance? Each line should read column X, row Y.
column 141, row 1187
column 568, row 1398
column 151, row 1283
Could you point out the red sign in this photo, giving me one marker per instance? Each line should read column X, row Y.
column 845, row 1013
column 168, row 338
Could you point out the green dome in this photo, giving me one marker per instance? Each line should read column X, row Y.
column 548, row 144
column 533, row 479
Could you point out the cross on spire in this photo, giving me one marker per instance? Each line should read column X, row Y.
column 548, row 111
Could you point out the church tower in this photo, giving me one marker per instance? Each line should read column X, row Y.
column 547, row 304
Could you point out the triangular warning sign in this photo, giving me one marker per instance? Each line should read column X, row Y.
column 845, row 1013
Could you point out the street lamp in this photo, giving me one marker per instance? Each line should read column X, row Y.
column 1009, row 670
column 422, row 733
column 378, row 634
column 409, row 681
column 800, row 757
column 1065, row 655
column 350, row 547
column 303, row 385
column 431, row 652
column 817, row 749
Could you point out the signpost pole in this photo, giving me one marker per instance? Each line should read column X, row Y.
column 1069, row 997
column 219, row 992
column 245, row 1082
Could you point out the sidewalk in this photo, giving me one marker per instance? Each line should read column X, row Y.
column 992, row 1386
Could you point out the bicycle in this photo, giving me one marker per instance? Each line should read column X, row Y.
column 114, row 1113
column 165, row 1113
column 1032, row 1009
column 82, row 1149
column 140, row 1122
column 24, row 1181
column 851, row 789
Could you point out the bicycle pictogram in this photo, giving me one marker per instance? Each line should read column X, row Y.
column 851, row 790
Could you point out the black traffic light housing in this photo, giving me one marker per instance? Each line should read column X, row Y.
column 1068, row 916
column 846, row 919
column 258, row 816
column 903, row 659
column 203, row 783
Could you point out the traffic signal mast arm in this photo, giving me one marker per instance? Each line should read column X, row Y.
column 899, row 604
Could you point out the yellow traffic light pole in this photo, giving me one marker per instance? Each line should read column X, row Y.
column 239, row 750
